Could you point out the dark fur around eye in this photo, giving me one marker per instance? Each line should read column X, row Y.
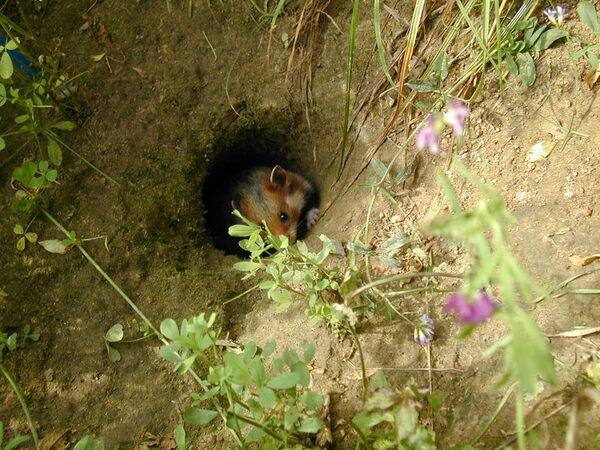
column 283, row 216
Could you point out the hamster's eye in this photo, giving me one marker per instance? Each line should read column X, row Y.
column 283, row 216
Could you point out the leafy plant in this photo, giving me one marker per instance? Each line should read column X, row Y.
column 482, row 232
column 266, row 401
column 295, row 270
column 528, row 36
column 390, row 419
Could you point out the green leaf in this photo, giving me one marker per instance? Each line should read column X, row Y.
column 11, row 342
column 13, row 443
column 404, row 174
column 532, row 35
column 22, row 118
column 210, row 393
column 258, row 371
column 281, row 296
column 21, row 243
column 250, row 351
column 441, row 65
column 395, row 242
column 239, row 230
column 379, row 380
column 43, row 166
column 247, row 266
column 256, row 434
column 115, row 333
column 269, row 348
column 527, row 361
column 89, row 442
column 3, row 97
column 169, row 328
column 421, row 86
column 380, row 169
column 113, row 354
column 587, row 12
column 11, row 45
column 169, row 352
column 548, row 38
column 312, row 400
column 18, row 229
column 364, row 420
column 290, row 417
column 54, row 152
column 312, row 425
column 6, row 66
column 407, row 420
column 267, row 397
column 301, row 370
column 526, row 68
column 290, row 357
column 392, row 262
column 239, row 371
column 198, row 416
column 284, row 381
column 64, row 125
column 512, row 65
column 52, row 175
column 309, row 349
column 180, row 437
column 55, row 246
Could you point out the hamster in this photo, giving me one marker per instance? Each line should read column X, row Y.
column 287, row 202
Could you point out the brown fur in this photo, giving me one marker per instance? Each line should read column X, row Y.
column 267, row 193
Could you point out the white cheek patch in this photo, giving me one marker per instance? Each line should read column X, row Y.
column 295, row 200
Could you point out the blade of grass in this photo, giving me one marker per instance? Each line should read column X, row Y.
column 379, row 42
column 349, row 66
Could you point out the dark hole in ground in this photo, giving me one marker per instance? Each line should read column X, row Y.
column 238, row 152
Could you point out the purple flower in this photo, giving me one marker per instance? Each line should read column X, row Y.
column 456, row 115
column 556, row 16
column 429, row 135
column 424, row 330
column 472, row 312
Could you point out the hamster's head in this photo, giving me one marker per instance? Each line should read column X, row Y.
column 285, row 198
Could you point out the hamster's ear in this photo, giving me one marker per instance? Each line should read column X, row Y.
column 278, row 176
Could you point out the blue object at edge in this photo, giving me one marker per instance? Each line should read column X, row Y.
column 20, row 62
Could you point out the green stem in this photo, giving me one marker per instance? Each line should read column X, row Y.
column 520, row 420
column 143, row 317
column 362, row 363
column 242, row 294
column 108, row 177
column 402, row 276
column 349, row 66
column 107, row 278
column 256, row 424
column 17, row 391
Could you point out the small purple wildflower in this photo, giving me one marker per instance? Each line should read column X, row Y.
column 429, row 135
column 472, row 312
column 456, row 115
column 556, row 16
column 424, row 330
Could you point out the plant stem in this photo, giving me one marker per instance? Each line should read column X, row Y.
column 402, row 276
column 107, row 278
column 362, row 363
column 257, row 425
column 17, row 391
column 520, row 419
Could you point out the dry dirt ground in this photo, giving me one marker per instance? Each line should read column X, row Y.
column 149, row 111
